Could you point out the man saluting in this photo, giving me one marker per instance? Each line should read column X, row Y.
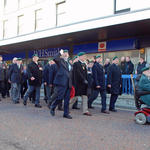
column 62, row 83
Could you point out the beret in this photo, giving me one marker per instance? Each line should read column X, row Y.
column 35, row 55
column 98, row 56
column 115, row 57
column 65, row 51
column 144, row 69
column 81, row 53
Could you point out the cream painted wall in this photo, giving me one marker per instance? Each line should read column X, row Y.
column 76, row 11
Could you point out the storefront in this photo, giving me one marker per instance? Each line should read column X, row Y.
column 108, row 49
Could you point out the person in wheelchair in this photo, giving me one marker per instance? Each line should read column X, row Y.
column 144, row 86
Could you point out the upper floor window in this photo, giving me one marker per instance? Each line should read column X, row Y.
column 38, row 19
column 25, row 3
column 122, row 6
column 20, row 24
column 60, row 13
column 5, row 29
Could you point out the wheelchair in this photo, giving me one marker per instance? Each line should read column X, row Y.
column 142, row 116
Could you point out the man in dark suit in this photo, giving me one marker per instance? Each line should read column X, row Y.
column 75, row 99
column 99, row 84
column 129, row 67
column 62, row 82
column 15, row 79
column 52, row 74
column 34, row 70
column 114, row 82
column 47, row 72
column 81, row 81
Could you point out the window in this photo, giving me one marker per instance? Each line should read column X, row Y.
column 20, row 24
column 122, row 6
column 5, row 29
column 7, row 3
column 38, row 19
column 60, row 13
column 25, row 3
column 10, row 5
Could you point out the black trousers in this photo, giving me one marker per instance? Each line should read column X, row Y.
column 24, row 88
column 2, row 88
column 53, row 97
column 113, row 100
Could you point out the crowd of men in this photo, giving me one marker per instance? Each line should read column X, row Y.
column 63, row 77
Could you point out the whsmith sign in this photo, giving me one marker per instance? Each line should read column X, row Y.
column 43, row 53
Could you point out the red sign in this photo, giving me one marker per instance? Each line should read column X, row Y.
column 101, row 46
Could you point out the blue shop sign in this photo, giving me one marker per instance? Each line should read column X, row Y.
column 7, row 57
column 124, row 44
column 114, row 45
column 49, row 52
column 88, row 48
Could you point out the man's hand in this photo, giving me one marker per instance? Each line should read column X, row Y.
column 41, row 68
column 61, row 51
column 85, row 81
column 109, row 85
column 50, row 85
column 45, row 83
column 32, row 78
column 98, row 86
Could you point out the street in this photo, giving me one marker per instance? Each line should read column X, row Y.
column 30, row 128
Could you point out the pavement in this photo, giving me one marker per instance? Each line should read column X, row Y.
column 30, row 128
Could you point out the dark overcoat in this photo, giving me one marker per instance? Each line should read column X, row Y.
column 140, row 66
column 34, row 71
column 52, row 73
column 46, row 73
column 129, row 67
column 114, row 79
column 79, row 77
column 98, row 76
column 15, row 73
column 2, row 71
column 64, row 75
column 106, row 66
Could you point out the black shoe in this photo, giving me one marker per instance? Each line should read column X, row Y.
column 75, row 108
column 105, row 112
column 67, row 116
column 60, row 109
column 38, row 106
column 24, row 103
column 3, row 97
column 113, row 110
column 52, row 112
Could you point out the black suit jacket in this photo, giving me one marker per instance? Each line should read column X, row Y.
column 79, row 77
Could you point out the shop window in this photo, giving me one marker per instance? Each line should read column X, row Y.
column 60, row 13
column 5, row 29
column 20, row 24
column 121, row 6
column 38, row 19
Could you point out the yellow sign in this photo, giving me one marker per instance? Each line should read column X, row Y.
column 142, row 50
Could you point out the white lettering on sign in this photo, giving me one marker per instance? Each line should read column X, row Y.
column 46, row 52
